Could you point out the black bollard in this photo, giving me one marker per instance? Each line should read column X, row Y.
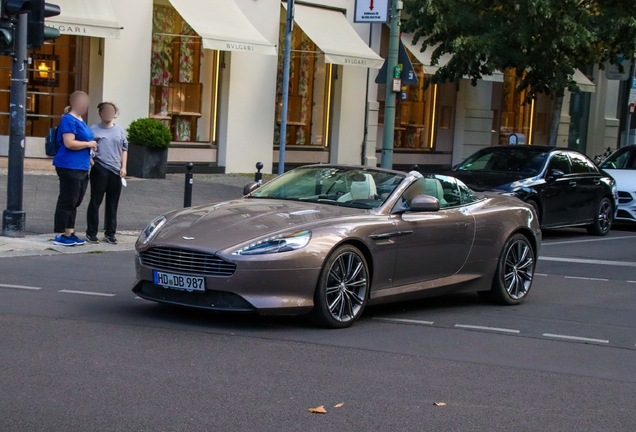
column 258, row 176
column 187, row 193
column 415, row 168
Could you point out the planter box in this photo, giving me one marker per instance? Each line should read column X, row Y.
column 147, row 162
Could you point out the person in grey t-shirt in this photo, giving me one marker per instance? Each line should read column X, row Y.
column 109, row 167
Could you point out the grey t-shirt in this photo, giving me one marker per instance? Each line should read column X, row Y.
column 111, row 142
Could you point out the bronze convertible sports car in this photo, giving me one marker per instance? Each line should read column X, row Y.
column 330, row 239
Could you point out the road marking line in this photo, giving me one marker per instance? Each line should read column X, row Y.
column 473, row 327
column 540, row 274
column 138, row 298
column 404, row 321
column 587, row 240
column 86, row 293
column 589, row 261
column 574, row 338
column 586, row 278
column 22, row 287
column 634, row 282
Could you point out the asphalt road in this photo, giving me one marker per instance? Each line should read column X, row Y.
column 78, row 352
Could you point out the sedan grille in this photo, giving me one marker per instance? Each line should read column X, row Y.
column 624, row 197
column 186, row 261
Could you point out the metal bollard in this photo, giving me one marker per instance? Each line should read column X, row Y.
column 187, row 194
column 258, row 176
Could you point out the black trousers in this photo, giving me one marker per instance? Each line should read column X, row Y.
column 73, row 184
column 103, row 182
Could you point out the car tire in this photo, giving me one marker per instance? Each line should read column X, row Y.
column 343, row 288
column 603, row 218
column 515, row 272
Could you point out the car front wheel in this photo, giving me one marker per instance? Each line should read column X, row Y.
column 343, row 288
column 603, row 218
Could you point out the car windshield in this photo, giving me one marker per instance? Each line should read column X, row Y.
column 523, row 161
column 622, row 159
column 342, row 186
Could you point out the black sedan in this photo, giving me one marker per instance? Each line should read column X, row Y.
column 564, row 186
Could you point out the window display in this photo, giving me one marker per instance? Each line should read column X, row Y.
column 516, row 115
column 184, row 78
column 55, row 72
column 310, row 92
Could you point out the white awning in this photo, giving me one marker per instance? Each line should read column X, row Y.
column 330, row 30
column 425, row 59
column 94, row 18
column 222, row 26
column 583, row 82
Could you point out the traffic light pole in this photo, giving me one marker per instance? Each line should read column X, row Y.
column 390, row 101
column 14, row 218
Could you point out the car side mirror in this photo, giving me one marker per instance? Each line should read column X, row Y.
column 555, row 174
column 424, row 203
column 250, row 187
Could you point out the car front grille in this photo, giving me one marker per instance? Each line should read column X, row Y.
column 622, row 214
column 624, row 197
column 186, row 261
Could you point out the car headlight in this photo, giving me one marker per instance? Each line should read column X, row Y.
column 275, row 244
column 151, row 230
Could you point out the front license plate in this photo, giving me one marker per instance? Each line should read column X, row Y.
column 179, row 282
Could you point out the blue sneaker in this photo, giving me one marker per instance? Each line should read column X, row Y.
column 64, row 241
column 78, row 241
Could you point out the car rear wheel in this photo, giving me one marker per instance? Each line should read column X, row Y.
column 603, row 218
column 515, row 272
column 343, row 288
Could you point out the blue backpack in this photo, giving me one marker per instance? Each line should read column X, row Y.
column 50, row 142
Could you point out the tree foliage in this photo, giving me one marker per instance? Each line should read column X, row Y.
column 544, row 40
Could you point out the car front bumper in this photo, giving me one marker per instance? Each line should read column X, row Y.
column 287, row 291
column 626, row 206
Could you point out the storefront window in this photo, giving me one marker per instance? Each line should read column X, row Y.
column 55, row 72
column 184, row 78
column 517, row 116
column 310, row 92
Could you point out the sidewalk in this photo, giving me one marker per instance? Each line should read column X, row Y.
column 141, row 201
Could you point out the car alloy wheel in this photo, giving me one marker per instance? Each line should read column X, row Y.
column 604, row 218
column 342, row 289
column 515, row 272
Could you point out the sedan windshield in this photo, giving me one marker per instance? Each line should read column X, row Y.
column 622, row 159
column 343, row 186
column 523, row 161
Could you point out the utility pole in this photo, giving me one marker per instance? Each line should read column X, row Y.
column 390, row 101
column 285, row 97
column 14, row 217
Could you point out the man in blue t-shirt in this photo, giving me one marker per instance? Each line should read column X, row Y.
column 72, row 163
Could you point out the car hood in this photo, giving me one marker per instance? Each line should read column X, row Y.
column 487, row 180
column 625, row 179
column 216, row 227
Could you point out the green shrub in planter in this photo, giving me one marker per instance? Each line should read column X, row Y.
column 149, row 133
column 148, row 141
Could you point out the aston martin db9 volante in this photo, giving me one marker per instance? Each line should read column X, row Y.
column 329, row 240
column 564, row 186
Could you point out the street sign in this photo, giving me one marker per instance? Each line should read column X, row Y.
column 612, row 72
column 407, row 72
column 371, row 11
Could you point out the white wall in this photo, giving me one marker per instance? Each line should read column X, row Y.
column 473, row 119
column 96, row 79
column 127, row 60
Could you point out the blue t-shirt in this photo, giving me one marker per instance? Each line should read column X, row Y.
column 73, row 159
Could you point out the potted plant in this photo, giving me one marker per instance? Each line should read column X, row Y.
column 148, row 142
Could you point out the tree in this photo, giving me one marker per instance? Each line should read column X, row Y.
column 545, row 41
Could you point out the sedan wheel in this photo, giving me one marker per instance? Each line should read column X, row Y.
column 342, row 289
column 515, row 271
column 603, row 219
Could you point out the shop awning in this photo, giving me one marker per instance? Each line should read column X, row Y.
column 583, row 82
column 330, row 30
column 222, row 26
column 94, row 18
column 425, row 59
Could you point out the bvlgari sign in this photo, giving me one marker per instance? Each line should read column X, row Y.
column 371, row 11
column 72, row 29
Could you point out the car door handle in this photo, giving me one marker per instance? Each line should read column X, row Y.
column 572, row 183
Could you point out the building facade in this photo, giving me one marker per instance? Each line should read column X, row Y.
column 212, row 71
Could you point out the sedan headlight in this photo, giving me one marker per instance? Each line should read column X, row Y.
column 151, row 230
column 275, row 244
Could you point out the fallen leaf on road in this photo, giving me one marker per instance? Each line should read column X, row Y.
column 340, row 405
column 439, row 403
column 318, row 410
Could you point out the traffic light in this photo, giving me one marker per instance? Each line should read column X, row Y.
column 7, row 34
column 9, row 11
column 37, row 32
column 13, row 8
